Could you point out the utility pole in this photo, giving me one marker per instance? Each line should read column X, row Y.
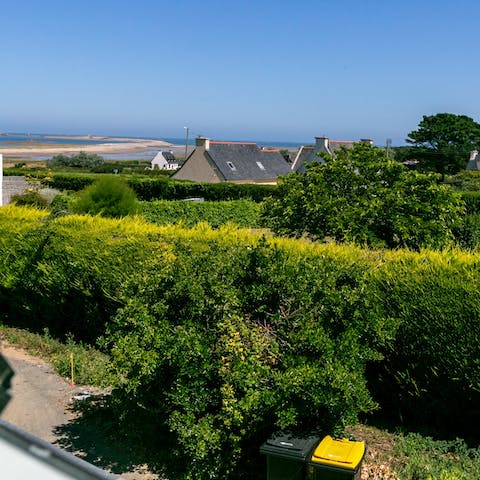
column 387, row 148
column 186, row 141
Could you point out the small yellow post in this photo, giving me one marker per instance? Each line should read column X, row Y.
column 71, row 368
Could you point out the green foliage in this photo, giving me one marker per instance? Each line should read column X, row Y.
column 30, row 197
column 467, row 233
column 243, row 213
column 219, row 337
column 65, row 273
column 90, row 365
column 79, row 160
column 361, row 196
column 431, row 372
column 223, row 360
column 109, row 196
column 67, row 181
column 443, row 142
column 159, row 187
column 428, row 459
column 466, row 181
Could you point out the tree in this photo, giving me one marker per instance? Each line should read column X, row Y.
column 363, row 197
column 79, row 160
column 109, row 196
column 442, row 143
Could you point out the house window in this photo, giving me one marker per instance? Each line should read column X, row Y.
column 232, row 166
column 260, row 166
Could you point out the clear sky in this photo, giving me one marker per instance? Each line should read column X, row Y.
column 237, row 70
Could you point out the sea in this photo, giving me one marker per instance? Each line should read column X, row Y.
column 21, row 139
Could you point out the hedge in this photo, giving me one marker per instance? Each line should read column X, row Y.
column 219, row 337
column 243, row 213
column 472, row 201
column 162, row 188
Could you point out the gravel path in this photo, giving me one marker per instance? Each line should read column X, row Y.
column 42, row 403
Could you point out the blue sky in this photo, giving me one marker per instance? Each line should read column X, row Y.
column 237, row 70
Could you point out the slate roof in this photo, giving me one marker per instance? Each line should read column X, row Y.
column 303, row 156
column 245, row 161
column 169, row 157
column 314, row 154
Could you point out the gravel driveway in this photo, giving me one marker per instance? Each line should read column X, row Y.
column 42, row 403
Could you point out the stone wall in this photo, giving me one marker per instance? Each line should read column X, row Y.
column 12, row 186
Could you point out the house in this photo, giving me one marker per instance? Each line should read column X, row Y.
column 308, row 154
column 237, row 162
column 164, row 161
column 474, row 161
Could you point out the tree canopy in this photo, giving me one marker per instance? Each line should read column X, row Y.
column 361, row 196
column 442, row 143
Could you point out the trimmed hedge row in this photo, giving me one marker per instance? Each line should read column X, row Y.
column 218, row 337
column 472, row 201
column 243, row 213
column 162, row 188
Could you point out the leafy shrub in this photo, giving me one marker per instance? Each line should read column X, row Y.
column 30, row 197
column 467, row 233
column 67, row 181
column 223, row 360
column 79, row 160
column 65, row 274
column 244, row 213
column 466, row 180
column 431, row 373
column 109, row 196
column 472, row 201
column 430, row 459
column 363, row 197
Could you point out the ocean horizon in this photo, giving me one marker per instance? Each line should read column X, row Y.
column 14, row 139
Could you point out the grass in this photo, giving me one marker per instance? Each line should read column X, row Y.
column 90, row 367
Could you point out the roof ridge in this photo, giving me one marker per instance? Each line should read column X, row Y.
column 231, row 143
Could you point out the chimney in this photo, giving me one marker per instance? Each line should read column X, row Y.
column 322, row 143
column 202, row 142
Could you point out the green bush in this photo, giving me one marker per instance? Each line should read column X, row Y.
column 472, row 201
column 223, row 360
column 79, row 160
column 243, row 213
column 109, row 196
column 467, row 233
column 431, row 371
column 430, row 459
column 361, row 196
column 67, row 181
column 30, row 197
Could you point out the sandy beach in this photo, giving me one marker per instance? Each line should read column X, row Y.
column 112, row 145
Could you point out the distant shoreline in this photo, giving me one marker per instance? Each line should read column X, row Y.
column 33, row 146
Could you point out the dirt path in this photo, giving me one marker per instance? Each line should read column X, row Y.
column 41, row 399
column 42, row 404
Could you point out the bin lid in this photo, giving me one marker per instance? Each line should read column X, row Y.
column 339, row 452
column 285, row 445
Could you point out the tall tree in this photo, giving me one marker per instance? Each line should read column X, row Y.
column 443, row 142
column 361, row 196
